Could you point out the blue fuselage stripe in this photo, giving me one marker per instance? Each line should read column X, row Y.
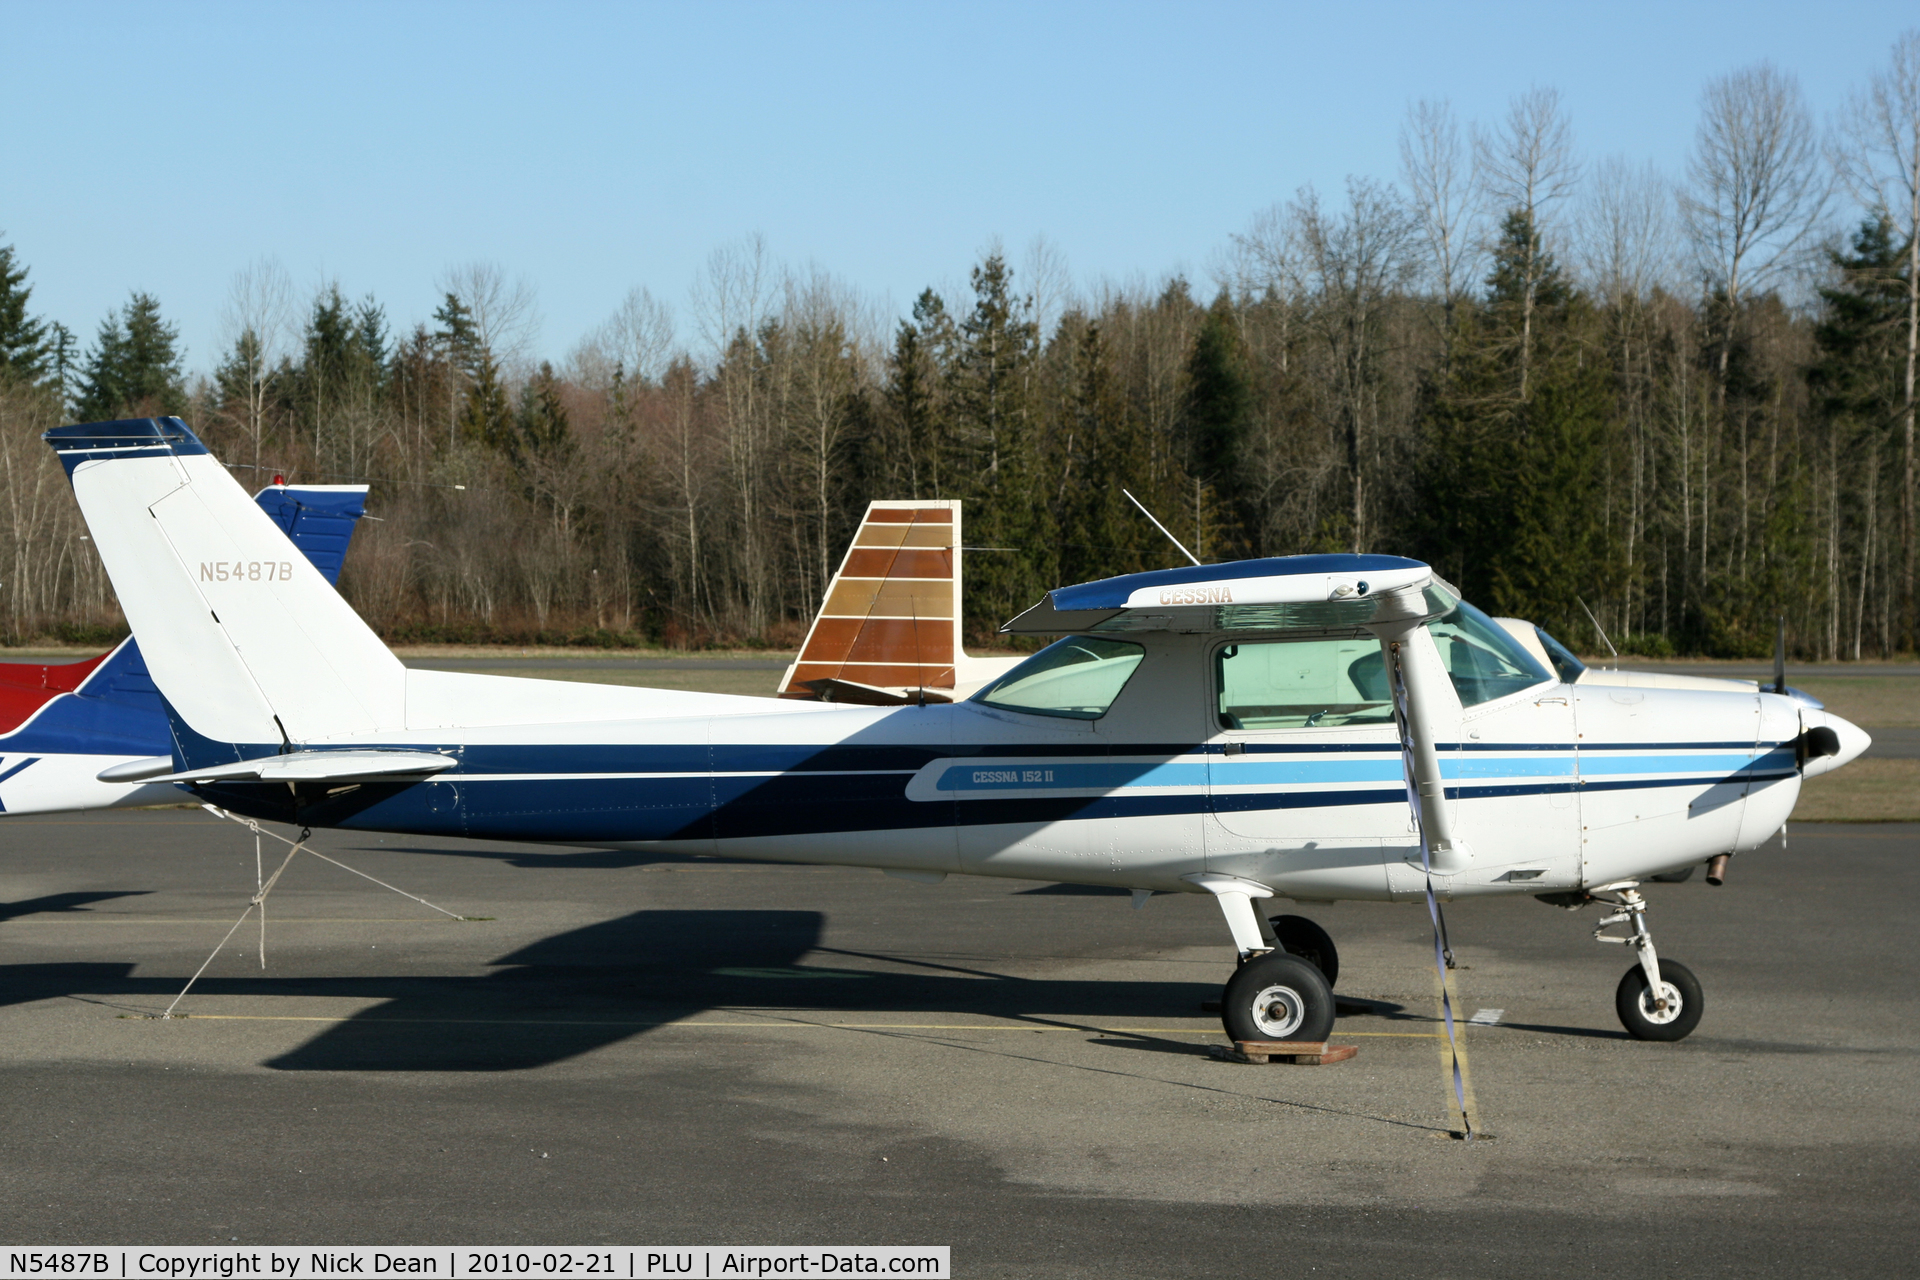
column 700, row 792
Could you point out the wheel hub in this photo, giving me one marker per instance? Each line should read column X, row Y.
column 1278, row 1012
column 1661, row 1008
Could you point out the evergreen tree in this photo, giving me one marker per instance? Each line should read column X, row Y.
column 458, row 349
column 1857, row 378
column 1217, row 412
column 996, row 450
column 912, row 433
column 24, row 354
column 996, row 352
column 486, row 417
column 542, row 429
column 1856, row 375
column 134, row 368
column 63, row 363
column 1507, row 504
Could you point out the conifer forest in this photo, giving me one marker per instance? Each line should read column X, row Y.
column 1685, row 401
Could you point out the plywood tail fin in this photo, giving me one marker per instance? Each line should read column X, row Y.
column 889, row 627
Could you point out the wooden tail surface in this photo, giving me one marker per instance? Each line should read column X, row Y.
column 890, row 622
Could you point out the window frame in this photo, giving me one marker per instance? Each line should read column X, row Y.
column 1216, row 686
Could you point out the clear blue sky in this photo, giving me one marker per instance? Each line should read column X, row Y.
column 594, row 147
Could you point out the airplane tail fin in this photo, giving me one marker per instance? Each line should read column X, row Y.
column 889, row 626
column 248, row 640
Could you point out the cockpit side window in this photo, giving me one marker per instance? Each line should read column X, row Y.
column 1300, row 684
column 1077, row 678
column 1565, row 665
column 1483, row 661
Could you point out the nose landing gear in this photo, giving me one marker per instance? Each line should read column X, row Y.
column 1655, row 1000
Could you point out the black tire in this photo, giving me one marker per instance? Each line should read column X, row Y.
column 1642, row 1021
column 1301, row 937
column 1277, row 997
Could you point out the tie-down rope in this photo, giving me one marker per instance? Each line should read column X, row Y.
column 1455, row 1060
column 265, row 887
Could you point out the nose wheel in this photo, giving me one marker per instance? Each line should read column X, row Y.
column 1668, row 1014
column 1656, row 999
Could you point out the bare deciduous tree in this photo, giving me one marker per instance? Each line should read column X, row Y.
column 1439, row 177
column 637, row 340
column 1881, row 165
column 505, row 313
column 1624, row 230
column 1756, row 189
column 1342, row 271
column 1524, row 166
column 256, row 322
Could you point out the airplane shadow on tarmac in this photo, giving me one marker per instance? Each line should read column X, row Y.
column 587, row 988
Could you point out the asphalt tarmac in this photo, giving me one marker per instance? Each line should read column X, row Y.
column 640, row 1050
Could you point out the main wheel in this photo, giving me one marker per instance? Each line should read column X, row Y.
column 1638, row 1014
column 1277, row 997
column 1301, row 937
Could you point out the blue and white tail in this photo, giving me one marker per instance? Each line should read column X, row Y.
column 251, row 646
column 247, row 639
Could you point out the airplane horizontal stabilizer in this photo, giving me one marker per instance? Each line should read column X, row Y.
column 321, row 766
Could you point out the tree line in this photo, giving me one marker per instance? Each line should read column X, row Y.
column 1591, row 395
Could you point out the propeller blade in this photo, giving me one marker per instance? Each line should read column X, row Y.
column 1780, row 657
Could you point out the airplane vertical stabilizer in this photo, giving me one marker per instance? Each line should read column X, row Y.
column 245, row 637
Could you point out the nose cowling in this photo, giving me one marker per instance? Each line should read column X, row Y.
column 1830, row 741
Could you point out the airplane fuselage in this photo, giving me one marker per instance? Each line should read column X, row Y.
column 1553, row 788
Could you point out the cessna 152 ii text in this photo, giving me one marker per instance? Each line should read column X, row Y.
column 1313, row 727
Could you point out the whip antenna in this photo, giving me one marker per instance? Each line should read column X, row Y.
column 1162, row 528
column 1597, row 631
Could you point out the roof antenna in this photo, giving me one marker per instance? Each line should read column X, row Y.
column 1780, row 656
column 1597, row 631
column 1162, row 528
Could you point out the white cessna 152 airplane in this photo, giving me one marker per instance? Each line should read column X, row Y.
column 1311, row 727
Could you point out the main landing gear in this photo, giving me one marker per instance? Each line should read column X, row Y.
column 1656, row 999
column 1273, row 995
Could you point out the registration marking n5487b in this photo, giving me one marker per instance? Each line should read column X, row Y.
column 246, row 570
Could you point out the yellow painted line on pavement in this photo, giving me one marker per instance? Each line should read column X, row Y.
column 106, row 918
column 767, row 1025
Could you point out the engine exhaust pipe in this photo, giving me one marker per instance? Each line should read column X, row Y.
column 1717, row 868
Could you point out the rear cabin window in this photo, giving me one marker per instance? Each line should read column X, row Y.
column 1078, row 678
column 1302, row 684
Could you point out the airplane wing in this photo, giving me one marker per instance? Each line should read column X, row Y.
column 1294, row 592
